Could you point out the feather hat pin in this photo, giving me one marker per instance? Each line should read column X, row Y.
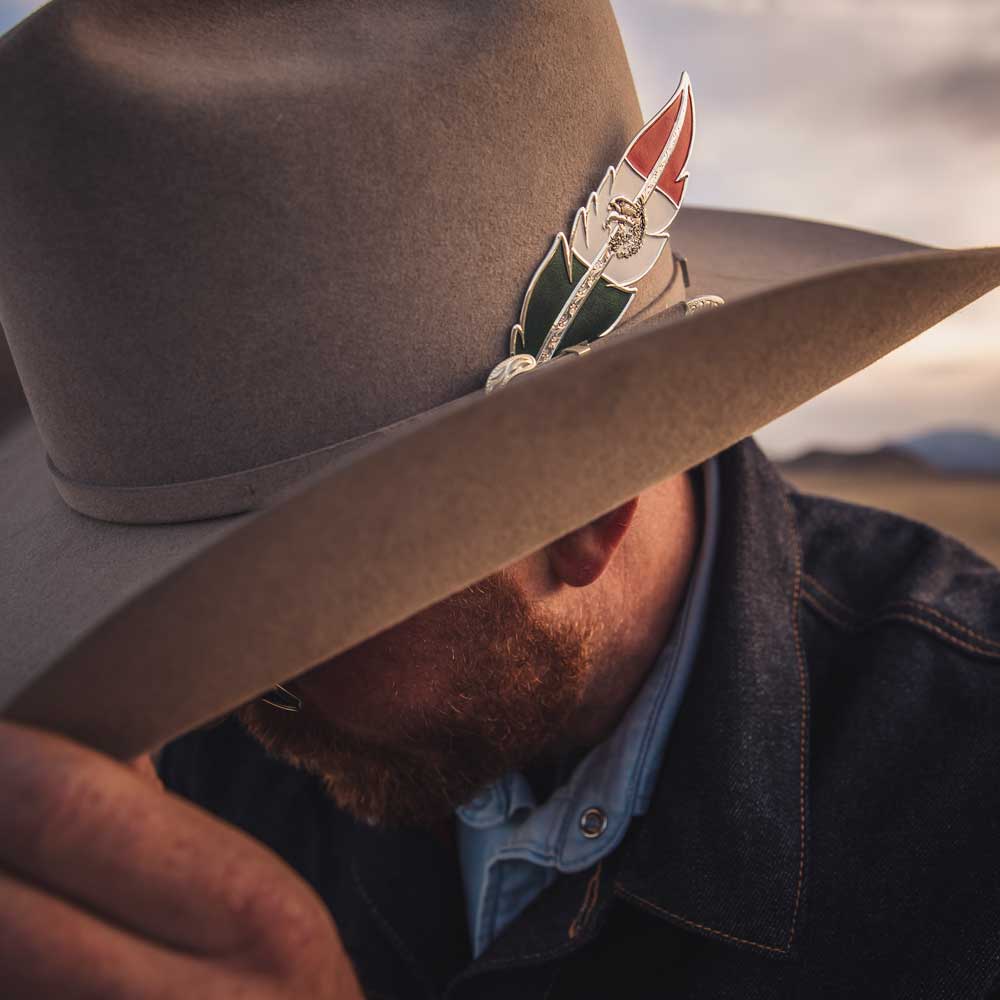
column 584, row 285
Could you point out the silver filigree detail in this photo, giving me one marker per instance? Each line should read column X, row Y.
column 627, row 222
column 703, row 302
column 628, row 235
column 508, row 369
column 573, row 304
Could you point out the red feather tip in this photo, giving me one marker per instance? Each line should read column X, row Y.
column 649, row 143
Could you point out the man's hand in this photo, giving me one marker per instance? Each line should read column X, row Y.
column 112, row 888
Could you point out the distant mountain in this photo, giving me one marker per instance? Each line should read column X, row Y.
column 822, row 461
column 957, row 451
column 941, row 453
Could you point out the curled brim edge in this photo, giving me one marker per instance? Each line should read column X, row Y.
column 239, row 604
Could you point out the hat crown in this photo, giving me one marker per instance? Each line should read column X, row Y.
column 238, row 233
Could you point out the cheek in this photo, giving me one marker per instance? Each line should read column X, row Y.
column 432, row 667
column 380, row 686
column 532, row 577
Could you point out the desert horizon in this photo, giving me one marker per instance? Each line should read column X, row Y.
column 949, row 480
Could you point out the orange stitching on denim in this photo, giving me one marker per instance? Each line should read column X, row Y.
column 889, row 616
column 690, row 923
column 830, row 596
column 914, row 620
column 957, row 626
column 819, row 605
column 803, row 718
column 916, row 606
column 591, row 895
column 589, row 902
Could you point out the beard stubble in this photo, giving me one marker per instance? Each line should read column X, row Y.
column 504, row 682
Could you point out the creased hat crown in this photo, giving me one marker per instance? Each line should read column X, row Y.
column 236, row 233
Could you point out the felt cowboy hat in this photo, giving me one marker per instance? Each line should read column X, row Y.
column 257, row 262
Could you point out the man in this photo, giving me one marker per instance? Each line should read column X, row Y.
column 689, row 734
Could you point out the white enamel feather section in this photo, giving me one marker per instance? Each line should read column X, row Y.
column 588, row 235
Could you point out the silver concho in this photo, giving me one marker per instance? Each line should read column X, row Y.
column 509, row 368
column 703, row 302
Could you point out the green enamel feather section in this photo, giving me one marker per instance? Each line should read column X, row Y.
column 549, row 291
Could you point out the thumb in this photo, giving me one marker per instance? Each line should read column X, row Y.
column 146, row 769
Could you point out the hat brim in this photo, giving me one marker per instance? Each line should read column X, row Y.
column 124, row 636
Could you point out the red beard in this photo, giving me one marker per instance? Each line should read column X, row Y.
column 498, row 686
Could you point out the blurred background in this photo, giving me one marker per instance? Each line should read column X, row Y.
column 878, row 114
column 882, row 115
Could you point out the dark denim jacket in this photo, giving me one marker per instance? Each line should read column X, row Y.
column 827, row 817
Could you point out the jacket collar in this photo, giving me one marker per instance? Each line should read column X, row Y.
column 723, row 849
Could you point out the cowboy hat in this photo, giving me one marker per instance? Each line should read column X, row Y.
column 256, row 265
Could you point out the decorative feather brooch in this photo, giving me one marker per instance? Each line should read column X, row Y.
column 584, row 285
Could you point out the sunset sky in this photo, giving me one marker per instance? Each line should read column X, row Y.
column 880, row 114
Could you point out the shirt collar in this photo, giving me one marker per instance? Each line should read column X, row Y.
column 619, row 775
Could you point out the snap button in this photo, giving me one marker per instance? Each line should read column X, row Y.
column 593, row 822
column 480, row 802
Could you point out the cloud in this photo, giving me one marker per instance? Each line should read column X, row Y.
column 860, row 414
column 880, row 115
column 937, row 12
column 964, row 93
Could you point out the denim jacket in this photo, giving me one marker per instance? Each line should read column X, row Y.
column 826, row 821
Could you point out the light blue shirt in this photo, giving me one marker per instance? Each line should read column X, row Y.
column 511, row 848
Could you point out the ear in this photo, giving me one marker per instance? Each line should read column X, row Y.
column 579, row 558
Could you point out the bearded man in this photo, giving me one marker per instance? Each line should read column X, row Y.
column 329, row 673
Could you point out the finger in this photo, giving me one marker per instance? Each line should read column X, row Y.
column 86, row 827
column 48, row 948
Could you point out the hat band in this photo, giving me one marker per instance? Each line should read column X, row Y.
column 257, row 487
column 199, row 499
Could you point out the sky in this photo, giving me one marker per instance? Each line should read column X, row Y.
column 880, row 114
